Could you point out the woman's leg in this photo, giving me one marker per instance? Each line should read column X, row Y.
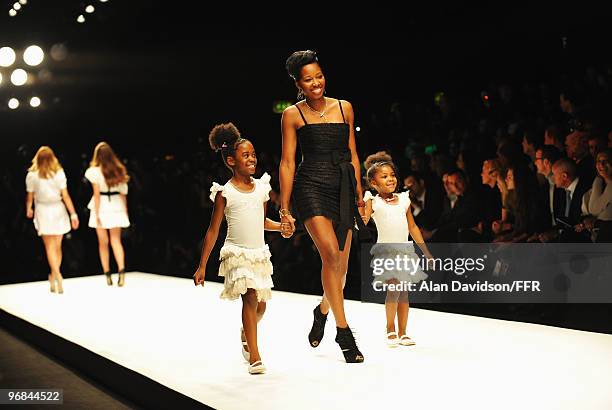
column 103, row 248
column 344, row 257
column 322, row 233
column 115, row 241
column 249, row 323
column 50, row 251
column 58, row 252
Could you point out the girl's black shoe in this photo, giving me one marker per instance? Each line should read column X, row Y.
column 318, row 327
column 347, row 343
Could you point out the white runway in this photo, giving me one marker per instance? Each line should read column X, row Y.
column 188, row 339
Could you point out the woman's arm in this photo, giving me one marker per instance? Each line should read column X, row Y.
column 29, row 202
column 212, row 233
column 74, row 219
column 287, row 164
column 415, row 232
column 350, row 115
column 96, row 198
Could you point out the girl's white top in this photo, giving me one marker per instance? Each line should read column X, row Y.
column 244, row 212
column 111, row 203
column 46, row 190
column 390, row 219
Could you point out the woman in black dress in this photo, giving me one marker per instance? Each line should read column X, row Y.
column 326, row 189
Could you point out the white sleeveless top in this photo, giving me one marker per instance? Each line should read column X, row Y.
column 390, row 219
column 244, row 212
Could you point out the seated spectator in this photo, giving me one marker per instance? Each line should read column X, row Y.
column 531, row 142
column 577, row 149
column 597, row 143
column 426, row 202
column 461, row 212
column 597, row 201
column 553, row 135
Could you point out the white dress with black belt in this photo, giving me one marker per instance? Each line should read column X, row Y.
column 113, row 211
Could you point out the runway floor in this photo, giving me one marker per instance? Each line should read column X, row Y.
column 187, row 339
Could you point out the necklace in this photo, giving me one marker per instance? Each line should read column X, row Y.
column 321, row 113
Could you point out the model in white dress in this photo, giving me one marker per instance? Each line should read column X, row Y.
column 393, row 238
column 245, row 257
column 47, row 202
column 113, row 210
column 50, row 214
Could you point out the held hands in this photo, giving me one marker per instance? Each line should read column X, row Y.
column 198, row 277
column 287, row 223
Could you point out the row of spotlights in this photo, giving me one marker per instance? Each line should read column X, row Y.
column 13, row 103
column 16, row 7
column 18, row 77
column 89, row 10
column 33, row 56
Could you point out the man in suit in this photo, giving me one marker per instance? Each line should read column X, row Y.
column 565, row 174
column 460, row 216
column 425, row 202
column 554, row 198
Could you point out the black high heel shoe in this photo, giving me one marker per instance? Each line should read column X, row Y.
column 121, row 281
column 347, row 343
column 318, row 327
column 109, row 279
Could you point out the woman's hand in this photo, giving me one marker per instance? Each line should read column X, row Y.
column 198, row 277
column 98, row 222
column 74, row 221
column 29, row 213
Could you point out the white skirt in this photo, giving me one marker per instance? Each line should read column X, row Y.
column 408, row 270
column 244, row 269
column 51, row 218
column 109, row 219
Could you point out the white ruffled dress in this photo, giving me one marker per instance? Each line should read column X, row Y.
column 245, row 257
column 113, row 212
column 393, row 240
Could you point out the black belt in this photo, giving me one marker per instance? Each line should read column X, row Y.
column 349, row 213
column 109, row 194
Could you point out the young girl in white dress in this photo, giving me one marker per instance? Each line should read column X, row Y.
column 245, row 257
column 394, row 221
column 47, row 190
column 108, row 207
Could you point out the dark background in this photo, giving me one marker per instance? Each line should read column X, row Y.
column 152, row 79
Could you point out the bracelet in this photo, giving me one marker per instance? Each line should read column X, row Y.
column 284, row 212
column 74, row 216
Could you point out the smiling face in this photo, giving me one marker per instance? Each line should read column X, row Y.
column 384, row 180
column 604, row 169
column 312, row 81
column 244, row 160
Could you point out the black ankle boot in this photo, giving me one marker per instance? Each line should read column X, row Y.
column 345, row 339
column 318, row 327
column 109, row 279
column 121, row 281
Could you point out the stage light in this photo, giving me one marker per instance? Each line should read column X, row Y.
column 13, row 103
column 33, row 55
column 103, row 1
column 35, row 102
column 357, row 129
column 81, row 19
column 17, row 6
column 24, row 2
column 7, row 56
column 12, row 13
column 90, row 9
column 19, row 77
